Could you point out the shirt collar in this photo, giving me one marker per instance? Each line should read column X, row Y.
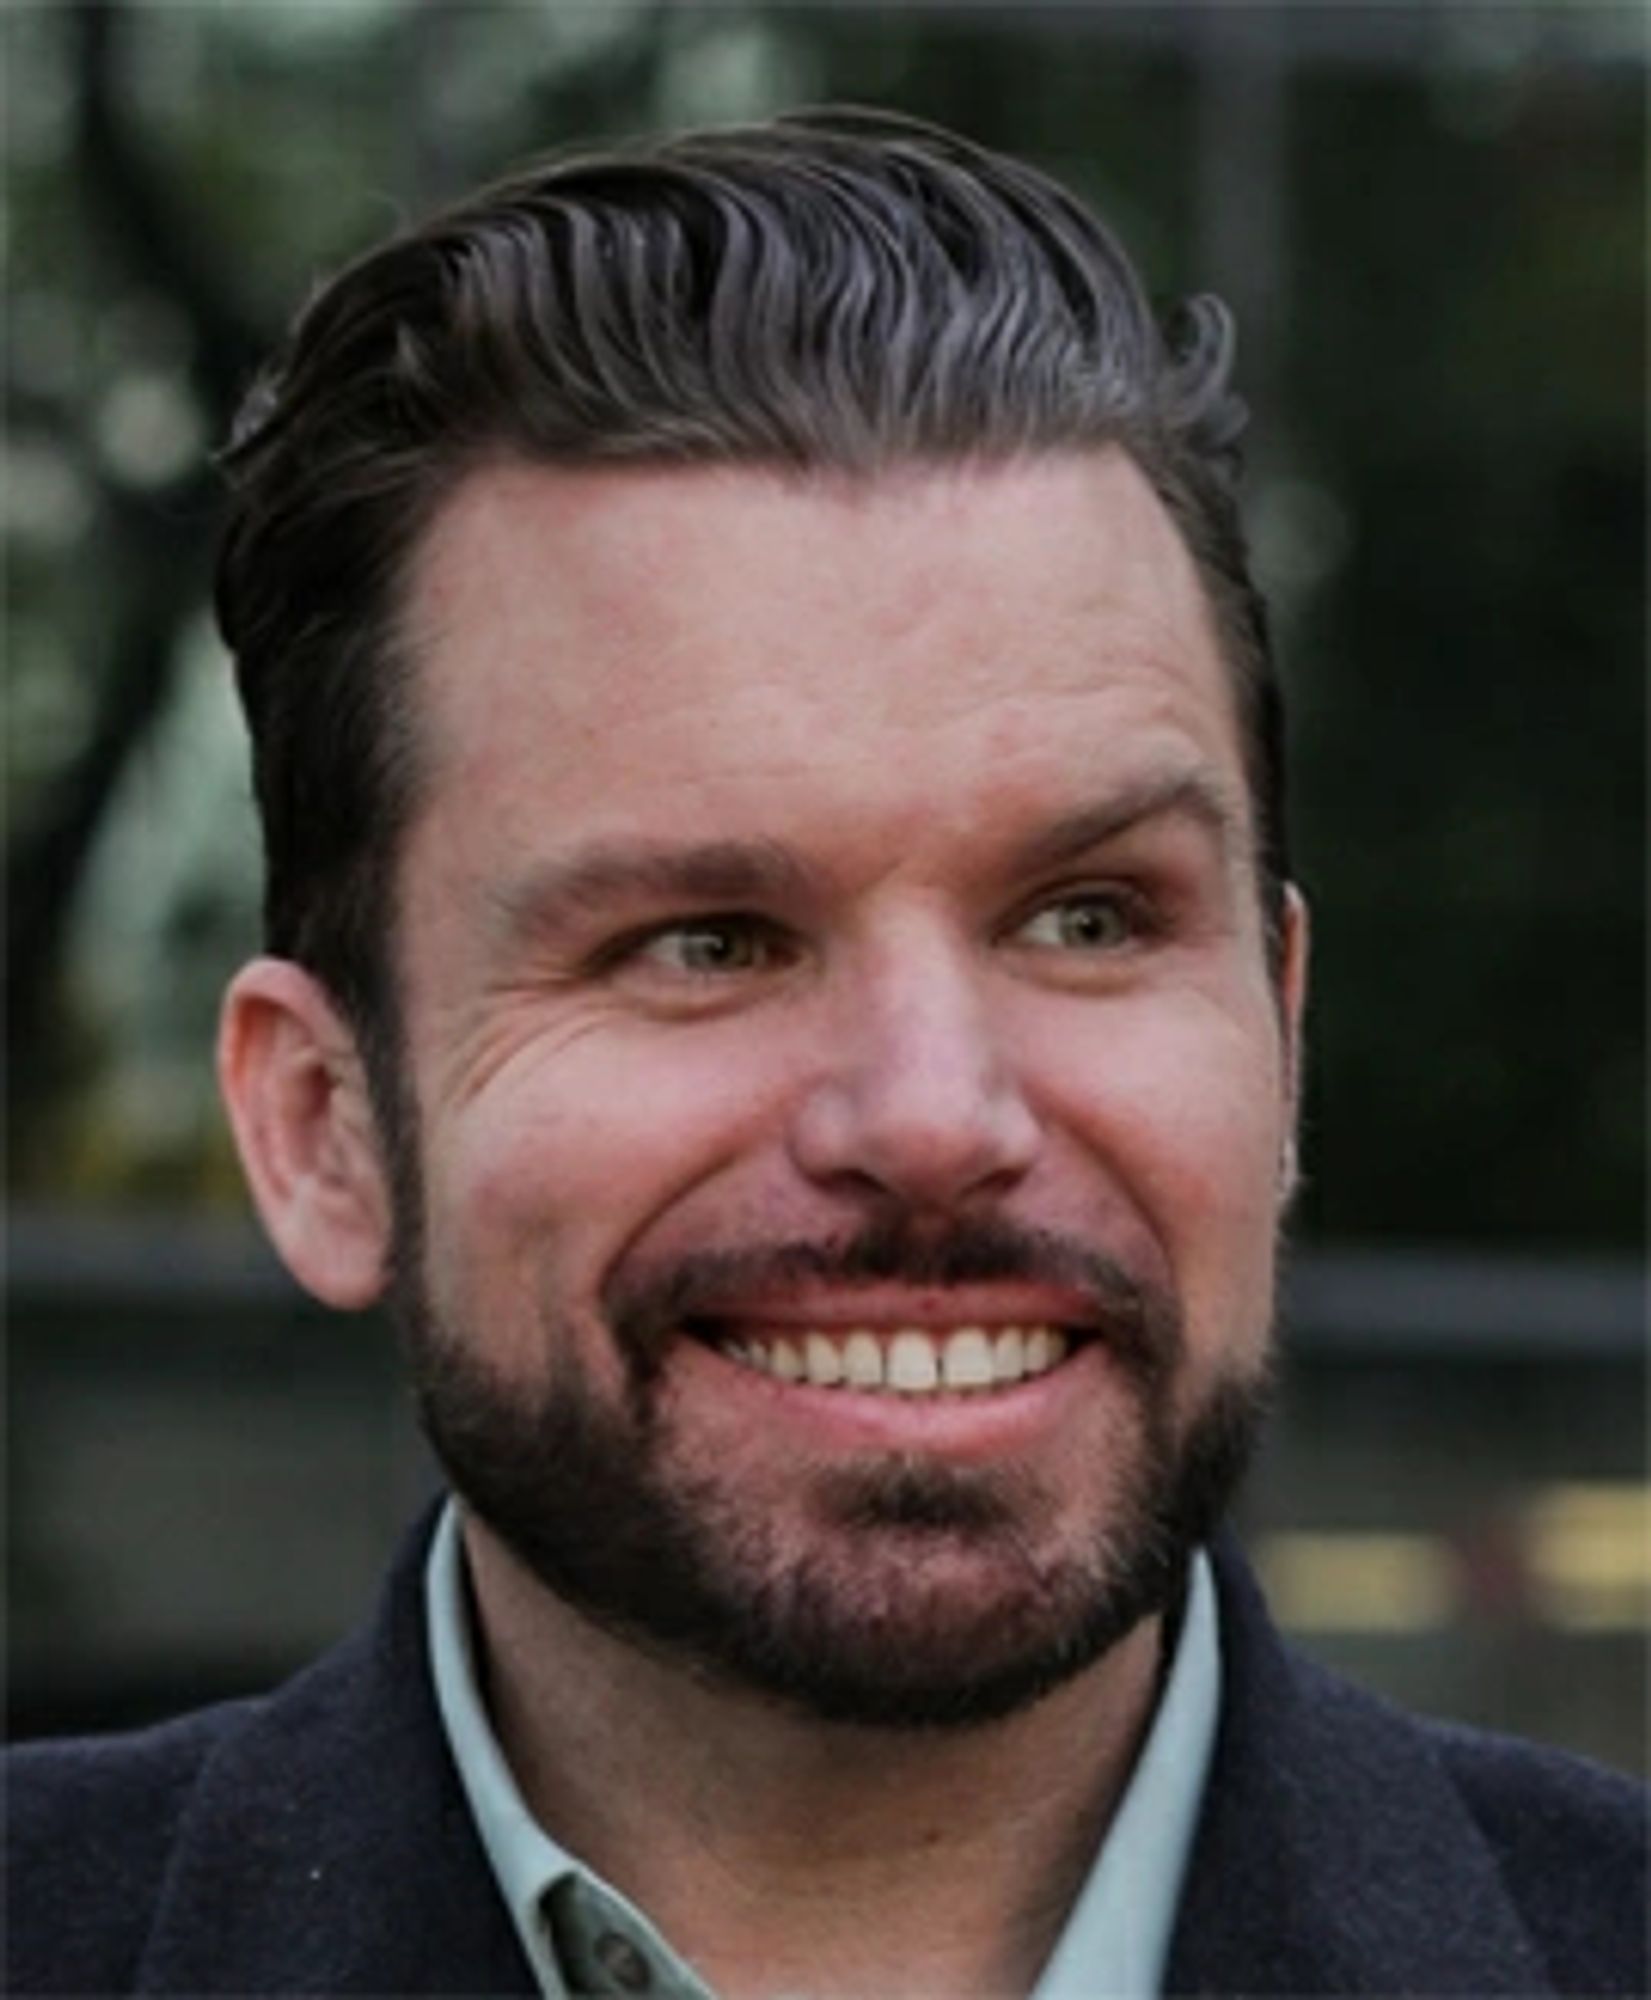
column 579, row 1932
column 1117, row 1937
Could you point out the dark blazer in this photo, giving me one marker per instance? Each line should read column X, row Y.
column 317, row 1841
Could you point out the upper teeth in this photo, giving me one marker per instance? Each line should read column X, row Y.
column 912, row 1362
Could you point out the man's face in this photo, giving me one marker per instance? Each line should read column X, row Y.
column 831, row 949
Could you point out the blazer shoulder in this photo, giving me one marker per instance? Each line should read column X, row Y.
column 90, row 1825
column 1352, row 1846
column 1571, row 1840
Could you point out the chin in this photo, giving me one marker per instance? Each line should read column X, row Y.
column 907, row 1596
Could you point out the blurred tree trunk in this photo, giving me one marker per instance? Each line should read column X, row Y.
column 149, row 551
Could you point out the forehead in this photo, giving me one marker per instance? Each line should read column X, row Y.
column 617, row 643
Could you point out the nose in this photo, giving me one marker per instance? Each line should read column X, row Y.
column 916, row 1097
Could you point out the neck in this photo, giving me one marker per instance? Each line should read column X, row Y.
column 780, row 1853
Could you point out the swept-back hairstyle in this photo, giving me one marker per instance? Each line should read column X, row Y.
column 835, row 289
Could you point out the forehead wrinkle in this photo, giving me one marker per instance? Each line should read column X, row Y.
column 603, row 872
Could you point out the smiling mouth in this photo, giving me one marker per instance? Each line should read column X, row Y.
column 905, row 1361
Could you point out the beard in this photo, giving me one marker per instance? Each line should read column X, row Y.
column 929, row 1597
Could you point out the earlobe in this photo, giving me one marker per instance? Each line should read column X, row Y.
column 292, row 1078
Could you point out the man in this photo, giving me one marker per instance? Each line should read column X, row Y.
column 782, row 971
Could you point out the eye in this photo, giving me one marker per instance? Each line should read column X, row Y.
column 1101, row 920
column 708, row 947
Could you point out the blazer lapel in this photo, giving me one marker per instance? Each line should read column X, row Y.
column 1334, row 1855
column 329, row 1847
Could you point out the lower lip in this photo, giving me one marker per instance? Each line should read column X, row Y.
column 963, row 1425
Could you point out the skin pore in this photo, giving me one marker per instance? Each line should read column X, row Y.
column 805, row 864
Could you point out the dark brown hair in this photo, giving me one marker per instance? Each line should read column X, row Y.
column 835, row 289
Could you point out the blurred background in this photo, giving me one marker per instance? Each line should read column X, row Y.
column 1432, row 221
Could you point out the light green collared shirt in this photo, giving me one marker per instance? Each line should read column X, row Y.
column 583, row 1937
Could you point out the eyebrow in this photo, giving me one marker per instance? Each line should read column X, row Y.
column 553, row 895
column 1194, row 797
column 596, row 876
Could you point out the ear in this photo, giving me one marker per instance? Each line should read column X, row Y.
column 1292, row 982
column 294, row 1083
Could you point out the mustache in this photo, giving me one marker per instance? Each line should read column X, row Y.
column 1139, row 1318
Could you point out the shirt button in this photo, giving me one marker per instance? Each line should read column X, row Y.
column 623, row 1963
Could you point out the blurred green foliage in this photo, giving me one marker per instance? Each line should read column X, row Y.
column 1436, row 217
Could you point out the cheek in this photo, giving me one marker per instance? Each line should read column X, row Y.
column 537, row 1185
column 1187, row 1110
column 1208, row 1148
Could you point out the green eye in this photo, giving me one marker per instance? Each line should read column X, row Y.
column 1083, row 924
